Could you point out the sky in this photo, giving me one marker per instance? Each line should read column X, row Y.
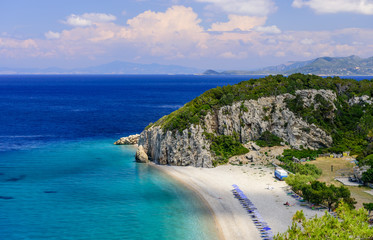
column 206, row 34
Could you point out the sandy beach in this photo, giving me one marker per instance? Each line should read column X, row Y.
column 214, row 185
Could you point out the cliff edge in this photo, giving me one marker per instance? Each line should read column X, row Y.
column 213, row 127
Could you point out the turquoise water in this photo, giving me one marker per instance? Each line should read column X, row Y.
column 61, row 177
column 94, row 190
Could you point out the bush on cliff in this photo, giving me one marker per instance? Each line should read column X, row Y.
column 267, row 139
column 225, row 147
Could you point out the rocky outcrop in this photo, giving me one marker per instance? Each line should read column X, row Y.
column 249, row 119
column 360, row 100
column 189, row 147
column 141, row 156
column 130, row 140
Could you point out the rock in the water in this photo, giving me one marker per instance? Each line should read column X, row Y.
column 141, row 156
column 130, row 140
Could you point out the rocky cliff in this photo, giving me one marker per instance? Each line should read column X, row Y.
column 249, row 119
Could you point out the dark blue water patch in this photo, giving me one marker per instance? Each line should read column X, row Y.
column 37, row 110
column 358, row 78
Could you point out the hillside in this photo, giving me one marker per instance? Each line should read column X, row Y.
column 302, row 111
column 331, row 66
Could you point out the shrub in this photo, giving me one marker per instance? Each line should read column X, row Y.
column 267, row 139
column 225, row 147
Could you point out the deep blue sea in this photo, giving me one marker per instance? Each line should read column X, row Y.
column 61, row 177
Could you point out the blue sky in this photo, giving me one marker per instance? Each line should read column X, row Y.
column 217, row 34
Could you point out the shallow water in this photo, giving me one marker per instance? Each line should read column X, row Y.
column 61, row 177
column 94, row 190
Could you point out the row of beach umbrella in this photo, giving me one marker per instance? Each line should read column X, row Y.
column 264, row 229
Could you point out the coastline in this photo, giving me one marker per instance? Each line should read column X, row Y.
column 199, row 195
column 214, row 188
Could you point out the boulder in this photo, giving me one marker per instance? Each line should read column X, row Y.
column 255, row 147
column 130, row 140
column 141, row 156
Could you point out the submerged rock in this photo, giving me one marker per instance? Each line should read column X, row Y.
column 141, row 156
column 6, row 197
column 130, row 140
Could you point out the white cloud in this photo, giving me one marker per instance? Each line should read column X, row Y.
column 307, row 41
column 52, row 35
column 244, row 7
column 243, row 23
column 166, row 33
column 336, row 6
column 19, row 44
column 268, row 29
column 87, row 19
column 177, row 33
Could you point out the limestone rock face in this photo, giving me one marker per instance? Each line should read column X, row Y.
column 365, row 99
column 174, row 148
column 141, row 156
column 130, row 140
column 248, row 118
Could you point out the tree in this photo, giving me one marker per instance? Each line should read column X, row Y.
column 331, row 195
column 298, row 181
column 368, row 176
column 368, row 206
column 350, row 224
column 319, row 192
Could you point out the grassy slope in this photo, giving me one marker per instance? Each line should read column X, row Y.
column 341, row 166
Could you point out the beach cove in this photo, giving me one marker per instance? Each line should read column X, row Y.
column 214, row 185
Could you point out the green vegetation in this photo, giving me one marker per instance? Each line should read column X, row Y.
column 318, row 192
column 369, row 207
column 350, row 224
column 303, row 169
column 288, row 154
column 368, row 176
column 267, row 139
column 298, row 181
column 213, row 99
column 368, row 160
column 225, row 147
column 351, row 127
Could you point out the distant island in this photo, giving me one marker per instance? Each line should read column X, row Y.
column 331, row 66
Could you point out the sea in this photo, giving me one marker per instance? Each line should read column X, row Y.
column 62, row 178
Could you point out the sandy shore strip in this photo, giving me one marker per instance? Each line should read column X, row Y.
column 214, row 185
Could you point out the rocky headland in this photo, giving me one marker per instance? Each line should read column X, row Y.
column 226, row 124
column 192, row 147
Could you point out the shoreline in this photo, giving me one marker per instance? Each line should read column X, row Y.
column 214, row 187
column 197, row 193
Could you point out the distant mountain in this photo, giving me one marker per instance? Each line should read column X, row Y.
column 116, row 67
column 340, row 66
